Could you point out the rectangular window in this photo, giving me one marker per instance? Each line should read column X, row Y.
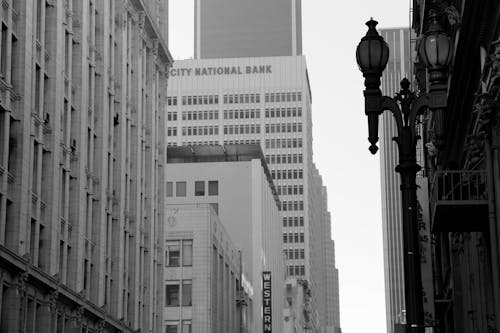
column 186, row 293
column 199, row 188
column 172, row 257
column 180, row 189
column 170, row 189
column 172, row 327
column 172, row 294
column 186, row 326
column 187, row 253
column 213, row 187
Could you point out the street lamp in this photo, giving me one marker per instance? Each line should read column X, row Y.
column 372, row 55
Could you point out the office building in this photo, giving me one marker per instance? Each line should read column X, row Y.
column 82, row 158
column 398, row 67
column 243, row 28
column 264, row 101
column 235, row 181
column 204, row 291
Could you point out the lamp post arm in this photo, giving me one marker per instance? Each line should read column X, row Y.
column 389, row 104
column 418, row 107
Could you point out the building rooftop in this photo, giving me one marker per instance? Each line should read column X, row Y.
column 221, row 153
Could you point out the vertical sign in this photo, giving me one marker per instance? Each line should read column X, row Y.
column 266, row 302
column 423, row 217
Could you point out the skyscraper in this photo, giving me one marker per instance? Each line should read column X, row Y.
column 247, row 28
column 399, row 66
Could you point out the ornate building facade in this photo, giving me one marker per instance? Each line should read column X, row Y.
column 463, row 164
column 82, row 154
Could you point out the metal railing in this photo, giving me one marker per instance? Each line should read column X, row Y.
column 459, row 185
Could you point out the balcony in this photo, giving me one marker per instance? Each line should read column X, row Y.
column 459, row 201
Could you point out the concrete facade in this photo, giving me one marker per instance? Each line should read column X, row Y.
column 82, row 154
column 247, row 28
column 202, row 258
column 246, row 203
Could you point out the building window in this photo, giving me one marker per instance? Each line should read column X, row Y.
column 186, row 326
column 170, row 189
column 187, row 253
column 173, row 254
column 213, row 187
column 172, row 327
column 186, row 293
column 180, row 189
column 172, row 294
column 199, row 188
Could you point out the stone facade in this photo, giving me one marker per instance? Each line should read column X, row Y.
column 81, row 158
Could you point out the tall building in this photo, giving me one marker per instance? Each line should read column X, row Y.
column 262, row 100
column 398, row 67
column 247, row 28
column 82, row 158
column 235, row 181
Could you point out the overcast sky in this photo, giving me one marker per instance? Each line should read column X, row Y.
column 331, row 31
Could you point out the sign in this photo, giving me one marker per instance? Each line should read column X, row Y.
column 424, row 227
column 267, row 318
column 221, row 70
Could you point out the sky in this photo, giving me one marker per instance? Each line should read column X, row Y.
column 331, row 31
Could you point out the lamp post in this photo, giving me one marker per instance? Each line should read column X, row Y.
column 372, row 55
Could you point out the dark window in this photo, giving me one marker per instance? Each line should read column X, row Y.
column 199, row 188
column 213, row 187
column 173, row 254
column 172, row 294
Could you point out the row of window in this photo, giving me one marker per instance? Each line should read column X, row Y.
column 294, row 254
column 173, row 326
column 200, row 100
column 291, row 237
column 171, row 116
column 171, row 131
column 242, row 114
column 293, row 221
column 241, row 98
column 242, row 142
column 171, row 100
column 287, row 174
column 291, row 206
column 242, row 129
column 284, row 128
column 180, row 188
column 283, row 97
column 200, row 115
column 284, row 159
column 297, row 270
column 179, row 253
column 196, row 143
column 284, row 143
column 178, row 293
column 290, row 189
column 283, row 112
column 199, row 130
